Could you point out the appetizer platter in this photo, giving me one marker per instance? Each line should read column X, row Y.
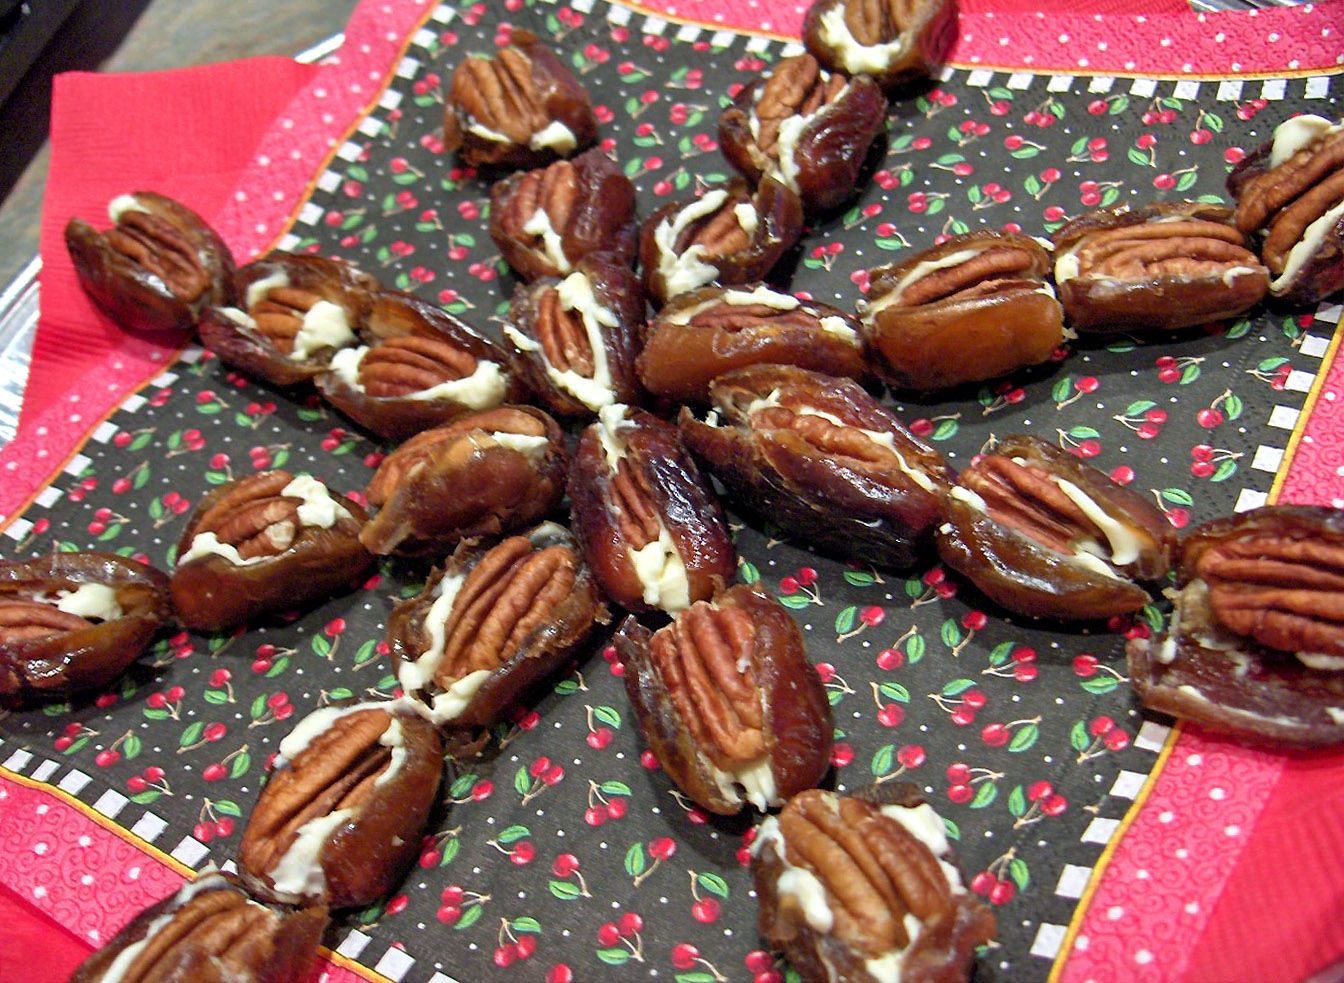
column 945, row 423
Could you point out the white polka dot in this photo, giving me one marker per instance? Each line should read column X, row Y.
column 39, row 891
column 1115, row 913
column 86, row 880
column 263, row 160
column 1217, row 794
column 1143, row 957
column 1141, row 874
column 1081, row 943
column 84, row 841
column 1182, row 853
column 42, row 810
column 1194, row 760
column 40, row 849
column 1232, row 830
column 1192, row 907
column 133, row 874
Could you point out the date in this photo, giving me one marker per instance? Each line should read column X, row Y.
column 897, row 42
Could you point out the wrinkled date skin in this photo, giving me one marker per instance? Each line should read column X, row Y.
column 728, row 702
column 297, row 311
column 1048, row 536
column 157, row 269
column 507, row 617
column 419, row 367
column 700, row 335
column 1161, row 266
column 636, row 494
column 972, row 308
column 72, row 622
column 483, row 474
column 805, row 126
column 819, row 456
column 1291, row 190
column 1255, row 644
column 339, row 821
column 728, row 235
column 210, row 931
column 267, row 543
column 545, row 221
column 521, row 108
column 879, row 862
column 575, row 339
column 897, row 42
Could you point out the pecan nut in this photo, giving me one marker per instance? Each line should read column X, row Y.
column 974, row 307
column 1050, row 537
column 576, row 339
column 894, row 41
column 420, row 367
column 71, row 622
column 157, row 269
column 482, row 474
column 652, row 530
column 521, row 108
column 702, row 334
column 1255, row 646
column 728, row 235
column 866, row 888
column 492, row 623
column 265, row 543
column 1292, row 190
column 340, row 819
column 728, row 702
column 805, row 126
column 1167, row 265
column 297, row 312
column 819, row 458
column 544, row 221
column 211, row 929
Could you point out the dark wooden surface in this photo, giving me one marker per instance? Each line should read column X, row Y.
column 109, row 37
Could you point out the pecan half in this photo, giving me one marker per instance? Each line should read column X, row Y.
column 521, row 108
column 1255, row 644
column 576, row 339
column 420, row 367
column 340, row 819
column 652, row 530
column 1047, row 536
column 807, row 127
column 1167, row 265
column 210, row 930
column 822, row 460
column 702, row 334
column 974, row 307
column 849, row 883
column 265, row 543
column 894, row 41
column 728, row 235
column 482, row 474
column 728, row 702
column 544, row 221
column 1292, row 190
column 157, row 268
column 492, row 623
column 297, row 312
column 71, row 622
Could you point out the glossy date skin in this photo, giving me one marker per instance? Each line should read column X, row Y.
column 1254, row 646
column 972, row 308
column 897, row 42
column 575, row 340
column 818, row 455
column 698, row 336
column 295, row 312
column 728, row 235
column 483, row 474
column 210, row 931
column 634, row 485
column 419, row 367
column 1047, row 536
column 157, row 269
column 213, row 590
column 545, row 221
column 808, row 128
column 770, row 698
column 519, row 610
column 47, row 652
column 1163, row 266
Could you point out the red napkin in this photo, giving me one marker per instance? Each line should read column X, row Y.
column 188, row 133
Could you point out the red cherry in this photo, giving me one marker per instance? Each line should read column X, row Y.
column 504, row 956
column 960, row 794
column 63, row 742
column 564, row 865
column 600, row 738
column 1100, row 725
column 1089, row 448
column 220, row 676
column 594, row 816
column 214, row 772
column 1202, row 469
column 452, row 894
column 616, row 808
column 1122, row 475
column 1209, row 418
column 963, row 716
column 911, row 756
column 449, row 914
column 1054, row 805
column 136, row 784
column 684, row 955
column 560, row 973
column 1115, row 740
column 522, row 854
column 1002, row 892
column 974, row 620
column 889, row 659
column 539, row 766
column 481, row 790
column 1085, row 665
column 958, row 772
column 629, row 923
column 973, row 698
column 260, row 666
column 1039, row 790
column 106, row 759
column 224, row 826
column 1024, row 674
column 872, row 615
column 662, row 848
column 891, row 715
column 430, row 858
column 983, row 882
column 706, row 911
column 156, row 701
column 995, row 735
column 649, row 760
column 153, row 773
column 608, row 935
column 214, row 732
column 525, row 946
column 205, row 832
column 841, row 754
